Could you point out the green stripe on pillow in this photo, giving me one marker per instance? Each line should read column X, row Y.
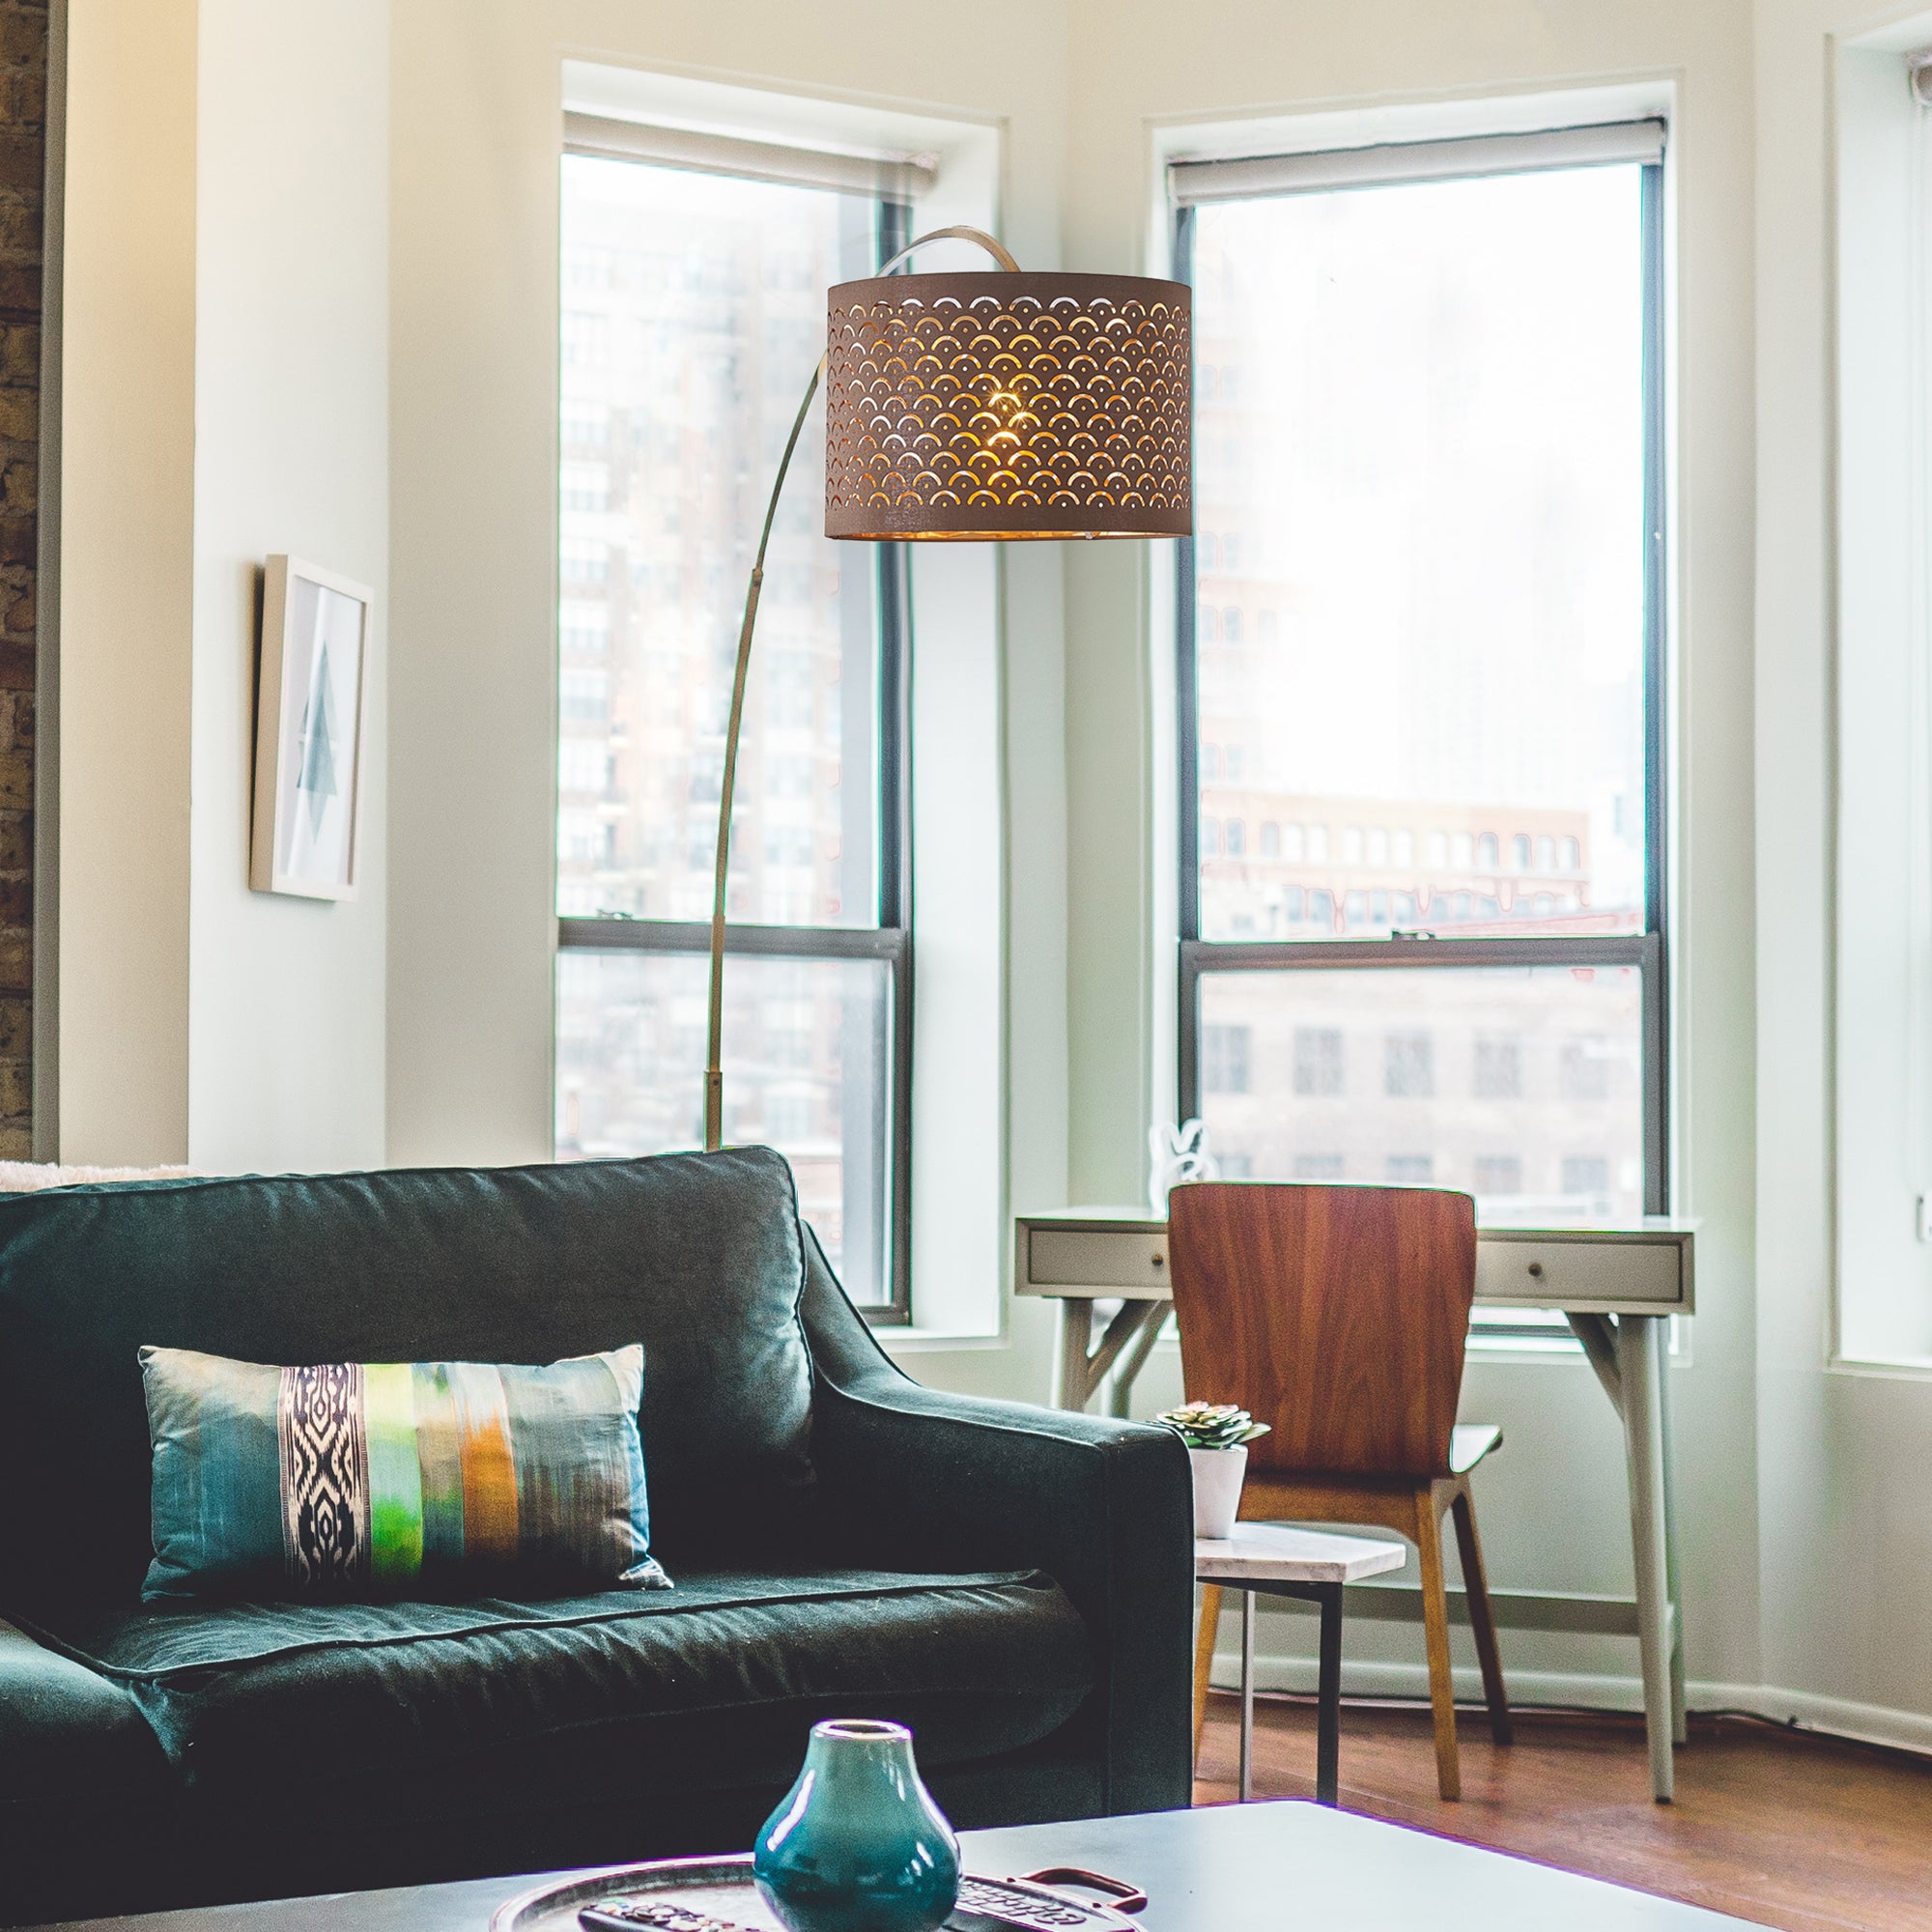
column 395, row 1481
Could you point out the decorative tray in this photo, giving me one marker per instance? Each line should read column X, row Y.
column 718, row 1895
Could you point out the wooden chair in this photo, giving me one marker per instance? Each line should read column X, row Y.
column 1338, row 1317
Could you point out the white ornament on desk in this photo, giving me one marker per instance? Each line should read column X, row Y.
column 1178, row 1153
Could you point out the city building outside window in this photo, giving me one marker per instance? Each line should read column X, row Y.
column 692, row 311
column 1446, row 470
column 1318, row 1060
column 1498, row 1066
column 1225, row 1059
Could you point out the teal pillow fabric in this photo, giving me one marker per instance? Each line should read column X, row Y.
column 353, row 1479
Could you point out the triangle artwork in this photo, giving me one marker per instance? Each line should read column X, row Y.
column 317, row 779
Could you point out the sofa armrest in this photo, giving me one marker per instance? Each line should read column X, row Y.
column 915, row 1478
column 84, row 1790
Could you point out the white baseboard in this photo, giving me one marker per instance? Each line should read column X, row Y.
column 1837, row 1717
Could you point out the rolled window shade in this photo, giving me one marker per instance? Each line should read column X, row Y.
column 890, row 177
column 1193, row 183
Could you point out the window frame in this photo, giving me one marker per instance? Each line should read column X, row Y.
column 1647, row 951
column 889, row 940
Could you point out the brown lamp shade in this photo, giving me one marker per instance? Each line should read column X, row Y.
column 1004, row 406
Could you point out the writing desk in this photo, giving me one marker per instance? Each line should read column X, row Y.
column 1616, row 1287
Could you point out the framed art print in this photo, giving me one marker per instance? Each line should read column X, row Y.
column 308, row 731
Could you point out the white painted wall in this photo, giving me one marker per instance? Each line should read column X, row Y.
column 126, row 541
column 1845, row 1537
column 291, row 453
column 226, row 376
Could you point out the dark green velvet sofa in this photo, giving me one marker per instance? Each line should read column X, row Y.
column 1014, row 1583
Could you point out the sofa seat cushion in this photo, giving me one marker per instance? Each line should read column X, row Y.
column 445, row 1709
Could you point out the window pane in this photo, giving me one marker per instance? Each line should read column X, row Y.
column 694, row 310
column 805, row 1046
column 1419, row 610
column 1522, row 1086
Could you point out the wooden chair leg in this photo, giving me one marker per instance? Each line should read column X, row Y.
column 1476, row 1586
column 1203, row 1657
column 1436, row 1624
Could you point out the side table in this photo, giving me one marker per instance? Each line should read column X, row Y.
column 1271, row 1559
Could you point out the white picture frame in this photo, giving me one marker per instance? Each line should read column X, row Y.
column 312, row 698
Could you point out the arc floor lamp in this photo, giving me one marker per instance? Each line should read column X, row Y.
column 986, row 407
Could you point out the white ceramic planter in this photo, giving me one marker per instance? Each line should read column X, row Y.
column 1218, row 1474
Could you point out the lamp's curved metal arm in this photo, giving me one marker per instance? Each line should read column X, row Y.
column 714, row 1073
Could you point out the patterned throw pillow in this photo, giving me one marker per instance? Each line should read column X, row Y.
column 394, row 1479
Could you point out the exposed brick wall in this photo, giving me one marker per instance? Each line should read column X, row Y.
column 23, row 106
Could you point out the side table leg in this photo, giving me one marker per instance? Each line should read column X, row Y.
column 1639, row 1351
column 1069, row 1369
column 1247, row 1696
column 1328, row 1701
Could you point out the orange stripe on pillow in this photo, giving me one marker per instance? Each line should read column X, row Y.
column 489, row 1465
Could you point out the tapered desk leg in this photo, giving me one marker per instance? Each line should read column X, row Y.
column 1679, row 1728
column 1069, row 1369
column 1640, row 1345
column 1329, row 1700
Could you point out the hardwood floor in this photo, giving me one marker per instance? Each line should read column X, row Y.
column 1780, row 1827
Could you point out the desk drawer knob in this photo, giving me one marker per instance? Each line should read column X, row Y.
column 1160, row 1260
column 1536, row 1270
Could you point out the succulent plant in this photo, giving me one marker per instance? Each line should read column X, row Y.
column 1212, row 1425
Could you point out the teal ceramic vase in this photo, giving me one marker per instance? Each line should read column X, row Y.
column 857, row 1844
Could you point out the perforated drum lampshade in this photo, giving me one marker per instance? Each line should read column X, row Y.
column 1008, row 405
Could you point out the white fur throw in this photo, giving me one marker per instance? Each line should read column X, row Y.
column 27, row 1176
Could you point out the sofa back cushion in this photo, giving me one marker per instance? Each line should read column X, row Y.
column 698, row 1256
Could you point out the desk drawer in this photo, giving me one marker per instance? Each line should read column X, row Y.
column 1566, row 1272
column 1089, row 1258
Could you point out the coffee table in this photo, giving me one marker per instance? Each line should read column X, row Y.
column 1231, row 1868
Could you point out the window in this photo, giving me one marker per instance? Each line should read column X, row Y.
column 692, row 303
column 1583, row 1072
column 1271, row 840
column 1225, row 1059
column 1881, row 416
column 1318, row 1060
column 1235, row 836
column 1459, row 365
column 586, row 486
column 1586, row 1173
column 1408, row 1066
column 584, row 696
column 1409, row 1170
column 1498, row 1066
column 1497, row 1177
